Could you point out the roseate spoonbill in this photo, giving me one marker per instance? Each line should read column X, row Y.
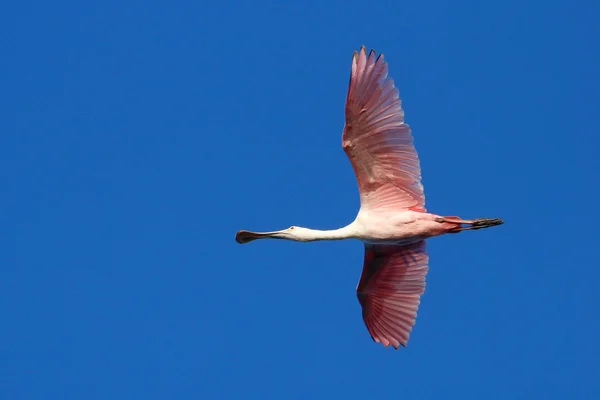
column 392, row 221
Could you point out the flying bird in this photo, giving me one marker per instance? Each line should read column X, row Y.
column 392, row 221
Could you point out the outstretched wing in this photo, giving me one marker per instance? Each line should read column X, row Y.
column 390, row 288
column 377, row 141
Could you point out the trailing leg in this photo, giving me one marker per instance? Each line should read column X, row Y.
column 458, row 224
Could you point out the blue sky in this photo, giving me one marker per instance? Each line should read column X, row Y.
column 137, row 137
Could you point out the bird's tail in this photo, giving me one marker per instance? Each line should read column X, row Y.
column 456, row 224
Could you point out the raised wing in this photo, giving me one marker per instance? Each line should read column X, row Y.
column 377, row 141
column 390, row 288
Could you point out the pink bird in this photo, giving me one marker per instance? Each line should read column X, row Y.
column 392, row 221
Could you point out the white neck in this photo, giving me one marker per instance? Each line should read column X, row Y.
column 309, row 235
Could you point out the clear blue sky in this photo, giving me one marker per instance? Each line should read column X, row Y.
column 137, row 137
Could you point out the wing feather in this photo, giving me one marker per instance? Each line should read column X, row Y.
column 377, row 141
column 390, row 288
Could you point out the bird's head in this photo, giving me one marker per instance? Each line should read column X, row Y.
column 295, row 233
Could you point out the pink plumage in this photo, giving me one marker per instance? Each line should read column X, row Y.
column 377, row 141
column 392, row 221
column 389, row 290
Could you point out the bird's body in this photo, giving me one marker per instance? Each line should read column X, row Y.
column 392, row 221
column 396, row 228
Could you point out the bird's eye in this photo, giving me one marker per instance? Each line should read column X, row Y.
column 291, row 228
